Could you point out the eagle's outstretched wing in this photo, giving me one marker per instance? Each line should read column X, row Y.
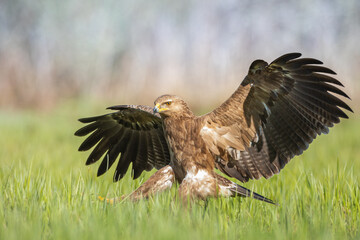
column 133, row 132
column 274, row 115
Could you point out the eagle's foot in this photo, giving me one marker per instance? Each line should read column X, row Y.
column 112, row 200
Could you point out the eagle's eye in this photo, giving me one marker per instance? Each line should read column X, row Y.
column 168, row 103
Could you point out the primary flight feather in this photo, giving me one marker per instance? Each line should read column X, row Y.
column 275, row 113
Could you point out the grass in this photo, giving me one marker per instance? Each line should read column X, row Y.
column 48, row 193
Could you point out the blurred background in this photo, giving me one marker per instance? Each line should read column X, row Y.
column 132, row 51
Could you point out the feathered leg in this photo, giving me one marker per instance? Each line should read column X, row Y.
column 205, row 184
column 158, row 182
column 200, row 185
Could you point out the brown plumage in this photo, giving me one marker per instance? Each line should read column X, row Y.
column 274, row 115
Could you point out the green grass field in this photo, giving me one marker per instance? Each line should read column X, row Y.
column 47, row 192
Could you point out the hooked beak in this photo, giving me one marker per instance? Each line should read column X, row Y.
column 156, row 108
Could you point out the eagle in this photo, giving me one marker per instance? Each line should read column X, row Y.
column 274, row 114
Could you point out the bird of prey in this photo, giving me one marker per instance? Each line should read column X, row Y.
column 275, row 113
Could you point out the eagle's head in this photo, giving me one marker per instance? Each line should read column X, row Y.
column 171, row 106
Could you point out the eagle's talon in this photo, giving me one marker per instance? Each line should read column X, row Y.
column 101, row 198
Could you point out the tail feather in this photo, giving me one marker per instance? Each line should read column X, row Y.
column 237, row 190
column 244, row 192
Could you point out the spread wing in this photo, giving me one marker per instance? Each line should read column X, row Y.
column 274, row 115
column 133, row 132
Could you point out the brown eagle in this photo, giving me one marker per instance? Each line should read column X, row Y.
column 274, row 114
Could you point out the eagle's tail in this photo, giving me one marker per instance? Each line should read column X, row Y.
column 237, row 190
column 244, row 192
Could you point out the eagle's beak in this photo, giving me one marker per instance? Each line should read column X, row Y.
column 156, row 108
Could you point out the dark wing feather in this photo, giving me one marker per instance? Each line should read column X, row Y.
column 282, row 107
column 133, row 132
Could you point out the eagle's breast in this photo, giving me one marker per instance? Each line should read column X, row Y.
column 191, row 160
